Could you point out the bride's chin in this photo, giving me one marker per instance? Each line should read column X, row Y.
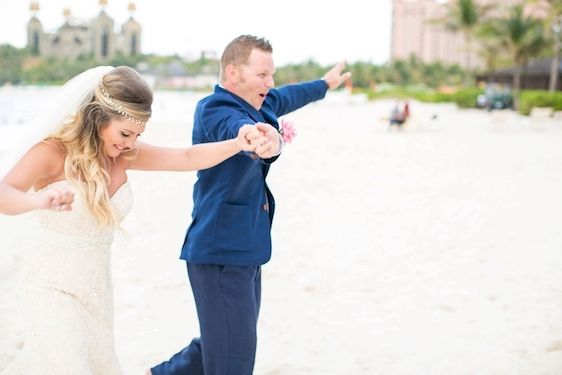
column 118, row 150
column 113, row 152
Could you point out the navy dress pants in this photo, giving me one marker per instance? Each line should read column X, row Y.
column 228, row 303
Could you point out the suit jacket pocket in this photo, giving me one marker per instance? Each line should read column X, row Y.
column 236, row 227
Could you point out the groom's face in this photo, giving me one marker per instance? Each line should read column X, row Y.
column 255, row 78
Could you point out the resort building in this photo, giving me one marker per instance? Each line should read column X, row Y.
column 416, row 32
column 95, row 37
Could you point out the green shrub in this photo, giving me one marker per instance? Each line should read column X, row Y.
column 539, row 98
column 466, row 98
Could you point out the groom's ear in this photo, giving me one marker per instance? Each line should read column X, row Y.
column 232, row 74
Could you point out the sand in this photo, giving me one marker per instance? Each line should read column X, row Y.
column 432, row 250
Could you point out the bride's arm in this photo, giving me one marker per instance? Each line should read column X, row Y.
column 14, row 201
column 197, row 157
column 36, row 164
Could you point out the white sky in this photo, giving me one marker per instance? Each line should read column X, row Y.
column 298, row 29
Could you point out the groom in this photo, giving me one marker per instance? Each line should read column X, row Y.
column 229, row 237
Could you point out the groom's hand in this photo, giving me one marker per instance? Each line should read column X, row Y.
column 272, row 146
column 249, row 137
column 334, row 76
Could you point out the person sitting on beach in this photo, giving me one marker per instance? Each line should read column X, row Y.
column 79, row 178
column 399, row 116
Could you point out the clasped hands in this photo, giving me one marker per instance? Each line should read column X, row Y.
column 261, row 138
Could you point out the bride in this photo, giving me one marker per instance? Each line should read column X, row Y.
column 77, row 171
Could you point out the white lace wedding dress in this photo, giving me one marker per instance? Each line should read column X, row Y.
column 69, row 296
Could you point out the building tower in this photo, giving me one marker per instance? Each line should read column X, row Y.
column 102, row 33
column 95, row 37
column 130, row 34
column 34, row 30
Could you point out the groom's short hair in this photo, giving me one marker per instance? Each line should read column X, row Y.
column 237, row 52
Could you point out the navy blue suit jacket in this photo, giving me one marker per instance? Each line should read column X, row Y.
column 233, row 207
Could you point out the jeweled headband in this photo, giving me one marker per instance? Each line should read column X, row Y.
column 119, row 108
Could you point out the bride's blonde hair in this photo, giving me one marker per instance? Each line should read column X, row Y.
column 120, row 93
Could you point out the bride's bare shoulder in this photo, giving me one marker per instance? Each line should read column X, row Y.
column 49, row 156
column 41, row 164
column 52, row 145
column 51, row 150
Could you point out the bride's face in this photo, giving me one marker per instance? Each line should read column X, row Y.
column 119, row 135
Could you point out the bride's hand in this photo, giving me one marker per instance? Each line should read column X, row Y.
column 249, row 137
column 59, row 200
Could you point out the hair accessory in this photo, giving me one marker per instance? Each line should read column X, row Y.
column 119, row 108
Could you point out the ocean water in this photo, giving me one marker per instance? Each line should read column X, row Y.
column 18, row 105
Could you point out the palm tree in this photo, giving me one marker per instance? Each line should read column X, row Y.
column 488, row 50
column 522, row 37
column 553, row 32
column 556, row 28
column 464, row 16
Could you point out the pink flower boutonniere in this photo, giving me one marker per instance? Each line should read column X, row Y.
column 288, row 130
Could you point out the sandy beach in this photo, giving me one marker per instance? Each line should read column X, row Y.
column 436, row 250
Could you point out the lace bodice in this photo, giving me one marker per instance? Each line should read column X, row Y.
column 69, row 294
column 72, row 248
column 79, row 226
